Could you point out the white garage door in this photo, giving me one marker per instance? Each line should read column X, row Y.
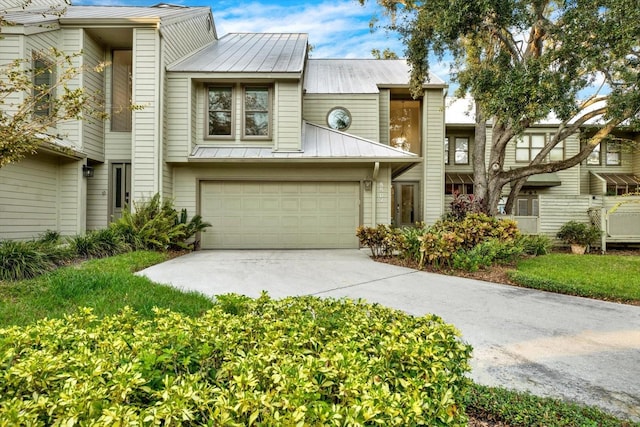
column 280, row 215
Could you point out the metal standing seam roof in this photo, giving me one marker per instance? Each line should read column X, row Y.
column 318, row 143
column 101, row 13
column 248, row 53
column 359, row 75
column 619, row 178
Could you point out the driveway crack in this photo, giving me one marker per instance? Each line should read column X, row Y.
column 355, row 285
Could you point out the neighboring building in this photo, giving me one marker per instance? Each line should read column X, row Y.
column 276, row 150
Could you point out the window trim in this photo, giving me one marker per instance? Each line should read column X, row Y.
column 598, row 150
column 269, row 89
column 609, row 148
column 455, row 150
column 48, row 65
column 447, row 147
column 232, row 133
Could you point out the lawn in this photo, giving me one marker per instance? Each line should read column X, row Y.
column 108, row 285
column 608, row 277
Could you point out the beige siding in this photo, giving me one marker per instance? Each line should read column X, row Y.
column 146, row 122
column 364, row 109
column 97, row 198
column 93, row 82
column 384, row 110
column 71, row 44
column 636, row 156
column 555, row 211
column 433, row 132
column 39, row 194
column 183, row 37
column 287, row 119
column 12, row 47
column 178, row 119
column 193, row 119
column 117, row 144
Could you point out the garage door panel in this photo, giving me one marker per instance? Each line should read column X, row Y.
column 280, row 214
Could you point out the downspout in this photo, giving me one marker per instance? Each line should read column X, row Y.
column 374, row 192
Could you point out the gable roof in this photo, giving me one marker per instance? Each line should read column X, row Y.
column 359, row 75
column 248, row 53
column 319, row 144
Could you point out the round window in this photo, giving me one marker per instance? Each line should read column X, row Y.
column 339, row 118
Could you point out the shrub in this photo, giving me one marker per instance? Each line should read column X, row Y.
column 410, row 242
column 99, row 244
column 156, row 225
column 383, row 240
column 447, row 237
column 578, row 233
column 23, row 260
column 535, row 245
column 487, row 253
column 296, row 361
column 462, row 205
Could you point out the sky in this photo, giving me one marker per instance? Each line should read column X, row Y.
column 336, row 28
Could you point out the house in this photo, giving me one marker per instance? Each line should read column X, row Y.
column 273, row 148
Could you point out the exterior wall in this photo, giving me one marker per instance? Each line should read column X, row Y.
column 186, row 178
column 184, row 37
column 40, row 193
column 433, row 133
column 384, row 115
column 71, row 40
column 146, row 122
column 556, row 211
column 452, row 133
column 97, row 197
column 287, row 120
column 629, row 163
column 12, row 47
column 93, row 131
column 286, row 123
column 118, row 145
column 364, row 109
column 636, row 156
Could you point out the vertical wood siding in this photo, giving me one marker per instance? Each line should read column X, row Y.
column 364, row 109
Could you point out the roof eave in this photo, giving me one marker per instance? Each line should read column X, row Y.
column 110, row 22
column 391, row 160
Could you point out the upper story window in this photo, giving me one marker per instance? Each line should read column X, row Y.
column 612, row 155
column 257, row 102
column 404, row 125
column 461, row 155
column 256, row 111
column 220, row 111
column 121, row 90
column 529, row 146
column 43, row 81
column 339, row 118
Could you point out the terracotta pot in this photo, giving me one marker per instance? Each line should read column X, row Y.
column 578, row 249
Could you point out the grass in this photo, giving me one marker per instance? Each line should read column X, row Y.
column 610, row 277
column 108, row 285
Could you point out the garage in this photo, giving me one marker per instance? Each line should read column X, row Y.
column 280, row 215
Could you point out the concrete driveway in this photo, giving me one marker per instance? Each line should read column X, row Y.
column 574, row 348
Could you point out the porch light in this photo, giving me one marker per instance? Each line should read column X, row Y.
column 87, row 171
column 368, row 184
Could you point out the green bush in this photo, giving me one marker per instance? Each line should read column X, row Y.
column 156, row 225
column 447, row 237
column 99, row 244
column 535, row 245
column 383, row 240
column 410, row 242
column 296, row 361
column 578, row 233
column 24, row 260
column 487, row 253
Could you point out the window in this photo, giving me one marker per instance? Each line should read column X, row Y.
column 43, row 85
column 461, row 156
column 527, row 206
column 594, row 157
column 557, row 152
column 613, row 154
column 220, row 111
column 404, row 125
column 528, row 147
column 256, row 112
column 446, row 151
column 121, row 84
column 339, row 118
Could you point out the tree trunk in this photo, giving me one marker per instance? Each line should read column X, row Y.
column 480, row 185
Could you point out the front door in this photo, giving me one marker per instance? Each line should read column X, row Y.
column 405, row 203
column 120, row 188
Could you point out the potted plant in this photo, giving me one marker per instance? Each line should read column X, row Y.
column 579, row 236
